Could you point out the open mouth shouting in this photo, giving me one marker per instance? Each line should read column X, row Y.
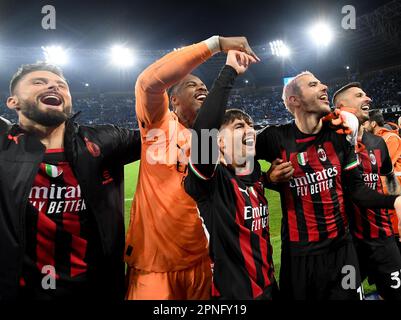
column 325, row 98
column 51, row 99
column 249, row 140
column 200, row 96
column 365, row 107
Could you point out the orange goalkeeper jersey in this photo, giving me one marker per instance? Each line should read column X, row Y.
column 393, row 142
column 165, row 231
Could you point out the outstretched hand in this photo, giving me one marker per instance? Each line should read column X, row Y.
column 237, row 43
column 240, row 61
column 338, row 121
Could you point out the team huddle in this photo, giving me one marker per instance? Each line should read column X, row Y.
column 199, row 223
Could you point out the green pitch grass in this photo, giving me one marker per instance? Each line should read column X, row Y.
column 131, row 175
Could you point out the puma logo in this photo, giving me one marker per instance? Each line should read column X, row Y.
column 14, row 138
column 244, row 191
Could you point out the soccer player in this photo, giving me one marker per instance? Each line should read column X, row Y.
column 166, row 247
column 317, row 249
column 378, row 255
column 229, row 195
column 61, row 196
column 375, row 125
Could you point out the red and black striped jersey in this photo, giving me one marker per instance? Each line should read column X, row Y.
column 57, row 225
column 235, row 212
column 314, row 214
column 373, row 161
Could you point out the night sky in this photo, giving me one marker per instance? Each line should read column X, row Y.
column 163, row 24
column 153, row 25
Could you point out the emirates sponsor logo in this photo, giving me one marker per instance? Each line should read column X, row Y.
column 259, row 216
column 57, row 200
column 55, row 192
column 371, row 180
column 316, row 182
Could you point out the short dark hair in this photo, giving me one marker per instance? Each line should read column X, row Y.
column 25, row 69
column 377, row 116
column 343, row 88
column 236, row 114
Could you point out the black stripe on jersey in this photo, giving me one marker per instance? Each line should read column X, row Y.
column 30, row 246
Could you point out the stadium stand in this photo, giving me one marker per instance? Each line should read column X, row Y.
column 263, row 104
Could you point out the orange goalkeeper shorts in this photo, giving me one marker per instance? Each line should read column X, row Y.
column 193, row 283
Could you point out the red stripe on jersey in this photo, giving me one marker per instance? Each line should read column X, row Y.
column 22, row 282
column 55, row 150
column 304, row 140
column 263, row 242
column 307, row 201
column 245, row 240
column 291, row 213
column 215, row 292
column 78, row 250
column 333, row 157
column 71, row 224
column 45, row 245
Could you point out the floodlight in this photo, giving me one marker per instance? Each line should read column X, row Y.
column 122, row 56
column 279, row 48
column 55, row 55
column 321, row 34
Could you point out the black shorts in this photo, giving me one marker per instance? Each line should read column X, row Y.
column 333, row 275
column 380, row 261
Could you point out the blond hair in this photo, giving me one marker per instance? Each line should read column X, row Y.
column 292, row 88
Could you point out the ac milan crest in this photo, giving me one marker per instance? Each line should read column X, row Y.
column 321, row 154
column 372, row 158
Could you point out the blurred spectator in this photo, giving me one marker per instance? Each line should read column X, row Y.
column 264, row 105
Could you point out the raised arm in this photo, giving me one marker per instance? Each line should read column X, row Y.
column 150, row 89
column 204, row 156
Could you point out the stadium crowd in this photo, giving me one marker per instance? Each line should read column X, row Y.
column 263, row 104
